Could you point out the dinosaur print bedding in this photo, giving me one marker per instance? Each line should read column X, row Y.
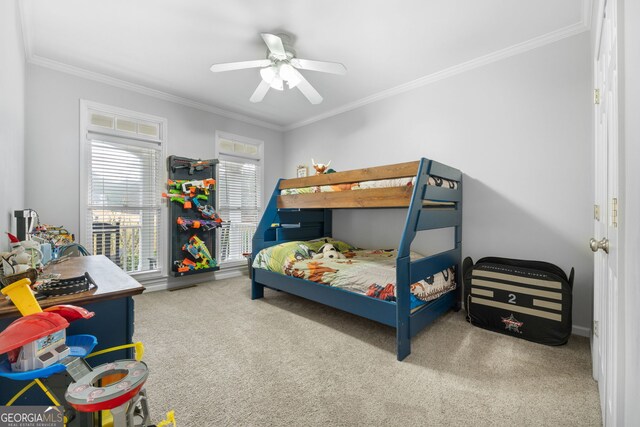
column 364, row 185
column 366, row 271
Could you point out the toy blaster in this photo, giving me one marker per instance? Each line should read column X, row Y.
column 176, row 184
column 207, row 211
column 204, row 184
column 185, row 265
column 193, row 165
column 199, row 251
column 184, row 199
column 205, row 224
column 186, row 186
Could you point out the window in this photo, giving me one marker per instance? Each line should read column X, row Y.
column 239, row 194
column 121, row 210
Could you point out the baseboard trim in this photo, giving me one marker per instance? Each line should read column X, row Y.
column 581, row 331
column 228, row 273
column 166, row 283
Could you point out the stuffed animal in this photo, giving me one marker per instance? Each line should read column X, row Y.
column 328, row 251
column 320, row 167
column 23, row 256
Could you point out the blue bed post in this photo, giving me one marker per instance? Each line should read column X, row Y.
column 459, row 293
column 264, row 233
column 403, row 263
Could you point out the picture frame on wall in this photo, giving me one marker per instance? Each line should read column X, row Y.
column 302, row 171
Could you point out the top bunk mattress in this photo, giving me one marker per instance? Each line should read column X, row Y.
column 408, row 181
column 371, row 272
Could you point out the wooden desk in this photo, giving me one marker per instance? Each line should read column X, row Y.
column 112, row 282
column 112, row 324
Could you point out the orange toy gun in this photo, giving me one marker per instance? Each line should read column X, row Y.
column 183, row 199
column 205, row 224
column 191, row 187
column 203, row 184
column 185, row 265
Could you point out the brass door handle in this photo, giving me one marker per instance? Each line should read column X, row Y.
column 602, row 244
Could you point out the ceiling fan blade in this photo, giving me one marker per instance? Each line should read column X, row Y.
column 307, row 90
column 322, row 66
column 230, row 66
column 260, row 92
column 274, row 43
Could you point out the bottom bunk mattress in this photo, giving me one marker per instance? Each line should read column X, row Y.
column 371, row 272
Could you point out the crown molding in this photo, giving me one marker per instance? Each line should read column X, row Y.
column 536, row 42
column 26, row 38
column 145, row 90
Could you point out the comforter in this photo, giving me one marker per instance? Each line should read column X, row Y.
column 366, row 271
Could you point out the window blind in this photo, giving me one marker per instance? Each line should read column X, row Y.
column 123, row 202
column 239, row 188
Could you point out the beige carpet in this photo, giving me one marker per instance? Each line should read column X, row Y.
column 218, row 358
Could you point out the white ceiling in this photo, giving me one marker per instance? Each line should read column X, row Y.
column 169, row 45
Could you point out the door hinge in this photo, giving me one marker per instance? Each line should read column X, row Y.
column 596, row 96
column 596, row 330
column 614, row 212
column 596, row 212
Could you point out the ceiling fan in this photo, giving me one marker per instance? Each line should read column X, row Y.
column 282, row 66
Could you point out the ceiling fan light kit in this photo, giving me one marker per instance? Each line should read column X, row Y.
column 282, row 66
column 278, row 73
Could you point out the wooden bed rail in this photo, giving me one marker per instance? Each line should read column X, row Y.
column 399, row 170
column 384, row 197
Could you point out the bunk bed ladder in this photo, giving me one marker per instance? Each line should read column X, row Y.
column 421, row 218
column 403, row 264
column 283, row 225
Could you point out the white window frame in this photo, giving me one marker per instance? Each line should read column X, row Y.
column 260, row 158
column 85, row 127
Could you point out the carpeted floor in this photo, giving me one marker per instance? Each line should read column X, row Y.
column 218, row 358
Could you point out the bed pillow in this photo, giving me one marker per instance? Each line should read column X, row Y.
column 276, row 258
column 341, row 246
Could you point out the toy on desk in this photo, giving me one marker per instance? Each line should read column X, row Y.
column 54, row 235
column 204, row 224
column 56, row 287
column 23, row 255
column 38, row 347
column 31, row 274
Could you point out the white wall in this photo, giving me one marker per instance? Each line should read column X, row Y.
column 12, row 117
column 53, row 106
column 630, row 137
column 520, row 130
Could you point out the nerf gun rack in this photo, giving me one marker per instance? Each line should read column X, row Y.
column 193, row 220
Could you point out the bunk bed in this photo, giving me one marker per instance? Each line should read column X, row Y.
column 300, row 209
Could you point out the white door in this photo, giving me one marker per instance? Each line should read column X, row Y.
column 605, row 241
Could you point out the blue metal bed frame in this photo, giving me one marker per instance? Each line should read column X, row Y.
column 316, row 223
